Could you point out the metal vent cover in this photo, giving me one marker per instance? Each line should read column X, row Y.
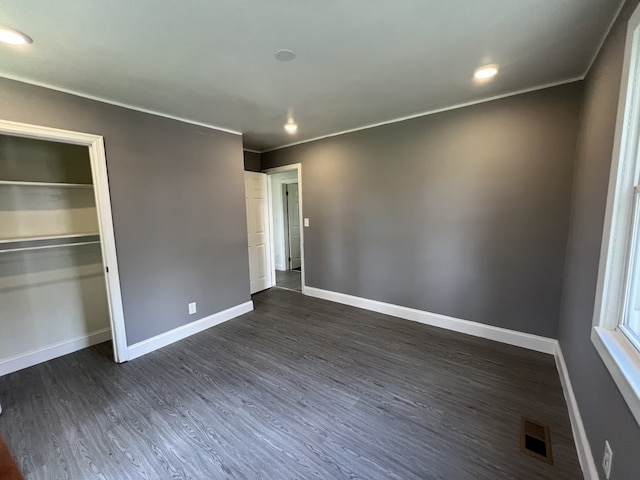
column 535, row 440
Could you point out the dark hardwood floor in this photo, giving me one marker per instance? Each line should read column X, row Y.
column 300, row 388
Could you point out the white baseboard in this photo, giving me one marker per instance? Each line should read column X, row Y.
column 24, row 360
column 583, row 448
column 146, row 346
column 511, row 337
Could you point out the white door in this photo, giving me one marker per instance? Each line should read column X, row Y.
column 293, row 212
column 255, row 192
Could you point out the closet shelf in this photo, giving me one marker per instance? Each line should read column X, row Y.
column 45, row 184
column 22, row 244
column 48, row 237
column 44, row 247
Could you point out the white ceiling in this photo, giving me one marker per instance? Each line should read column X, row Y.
column 359, row 62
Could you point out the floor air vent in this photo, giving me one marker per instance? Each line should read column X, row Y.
column 535, row 440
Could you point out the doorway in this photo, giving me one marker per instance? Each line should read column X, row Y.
column 285, row 217
column 57, row 230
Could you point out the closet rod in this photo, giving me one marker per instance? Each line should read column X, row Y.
column 42, row 247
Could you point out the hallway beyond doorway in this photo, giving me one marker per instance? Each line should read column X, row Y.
column 290, row 279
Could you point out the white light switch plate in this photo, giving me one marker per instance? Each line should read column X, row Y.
column 192, row 308
column 306, row 222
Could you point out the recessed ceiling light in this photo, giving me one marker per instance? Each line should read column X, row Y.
column 285, row 55
column 485, row 72
column 291, row 127
column 14, row 37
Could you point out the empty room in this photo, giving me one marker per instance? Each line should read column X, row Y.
column 339, row 239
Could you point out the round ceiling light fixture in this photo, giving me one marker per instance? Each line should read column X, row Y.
column 291, row 127
column 14, row 37
column 285, row 55
column 487, row 71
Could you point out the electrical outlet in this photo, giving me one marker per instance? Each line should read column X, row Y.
column 192, row 308
column 306, row 222
column 607, row 458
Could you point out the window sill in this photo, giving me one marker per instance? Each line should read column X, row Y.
column 623, row 362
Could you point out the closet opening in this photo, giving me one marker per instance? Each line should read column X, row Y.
column 59, row 281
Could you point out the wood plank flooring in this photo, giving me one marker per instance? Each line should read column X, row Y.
column 300, row 388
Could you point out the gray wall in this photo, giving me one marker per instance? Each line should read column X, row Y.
column 604, row 412
column 252, row 162
column 462, row 213
column 177, row 192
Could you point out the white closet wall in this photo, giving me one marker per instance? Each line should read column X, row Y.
column 52, row 287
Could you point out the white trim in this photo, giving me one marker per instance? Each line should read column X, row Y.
column 29, row 359
column 108, row 246
column 603, row 39
column 498, row 334
column 97, row 155
column 114, row 103
column 252, row 151
column 432, row 112
column 146, row 346
column 40, row 132
column 620, row 357
column 583, row 447
column 271, row 171
column 272, row 240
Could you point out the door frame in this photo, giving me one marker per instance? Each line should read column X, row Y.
column 285, row 204
column 271, row 171
column 95, row 144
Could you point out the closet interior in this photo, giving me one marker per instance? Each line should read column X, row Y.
column 52, row 284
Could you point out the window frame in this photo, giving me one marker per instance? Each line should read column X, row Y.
column 618, row 352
